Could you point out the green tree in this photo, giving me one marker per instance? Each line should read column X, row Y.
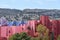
column 58, row 37
column 34, row 38
column 21, row 36
column 43, row 32
column 25, row 36
column 15, row 37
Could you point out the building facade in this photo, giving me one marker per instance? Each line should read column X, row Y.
column 52, row 25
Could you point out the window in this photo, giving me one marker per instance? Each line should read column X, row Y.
column 9, row 31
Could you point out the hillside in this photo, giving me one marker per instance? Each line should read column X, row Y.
column 29, row 14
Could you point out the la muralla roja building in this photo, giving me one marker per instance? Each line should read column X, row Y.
column 52, row 25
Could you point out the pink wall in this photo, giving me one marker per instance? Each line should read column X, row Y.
column 4, row 31
column 32, row 24
column 54, row 25
column 45, row 21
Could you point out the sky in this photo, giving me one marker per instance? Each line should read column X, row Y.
column 31, row 4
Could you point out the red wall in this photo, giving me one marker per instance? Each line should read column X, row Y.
column 45, row 21
column 53, row 25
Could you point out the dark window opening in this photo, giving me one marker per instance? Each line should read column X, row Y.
column 9, row 31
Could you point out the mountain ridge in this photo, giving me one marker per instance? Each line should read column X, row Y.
column 28, row 14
